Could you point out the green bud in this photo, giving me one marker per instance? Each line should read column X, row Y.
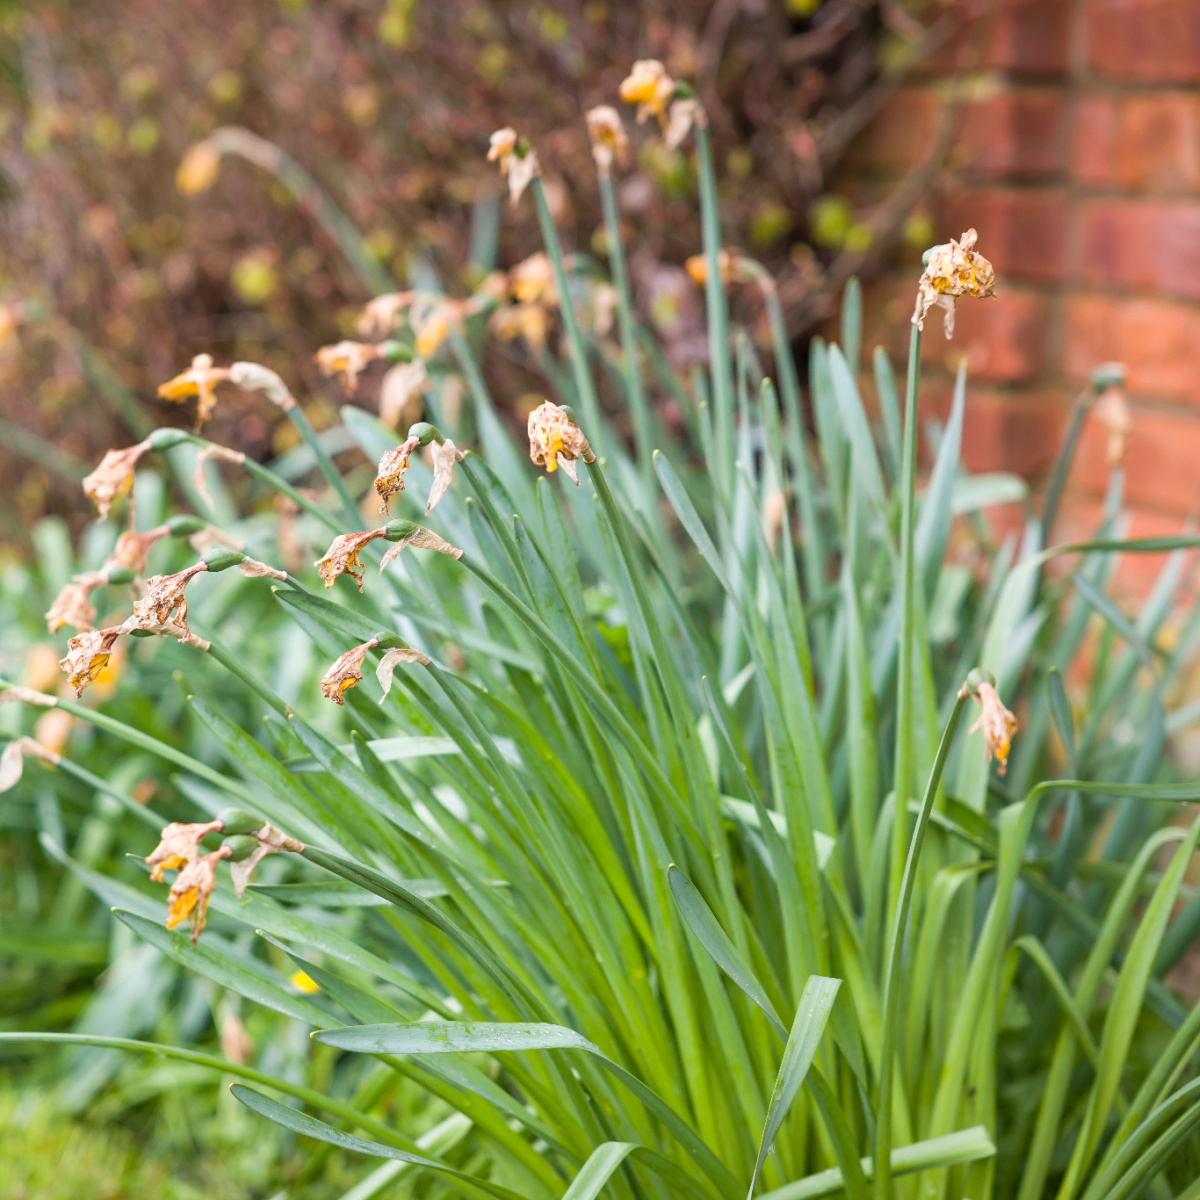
column 121, row 575
column 242, row 845
column 166, row 437
column 184, row 525
column 1109, row 374
column 570, row 413
column 394, row 351
column 978, row 675
column 140, row 633
column 221, row 558
column 237, row 820
column 426, row 432
column 398, row 528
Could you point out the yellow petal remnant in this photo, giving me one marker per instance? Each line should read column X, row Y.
column 433, row 331
column 113, row 477
column 381, row 316
column 199, row 380
column 525, row 321
column 164, row 594
column 348, row 360
column 517, row 161
column 342, row 556
column 192, row 890
column 389, row 475
column 199, row 168
column 1112, row 409
column 72, row 607
column 610, row 143
column 649, row 87
column 556, row 441
column 445, row 455
column 178, row 845
column 532, row 280
column 997, row 724
column 345, row 673
column 87, row 655
column 953, row 269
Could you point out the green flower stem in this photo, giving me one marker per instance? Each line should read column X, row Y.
column 892, row 977
column 579, row 364
column 643, row 428
column 141, row 811
column 902, row 780
column 264, row 693
column 717, row 310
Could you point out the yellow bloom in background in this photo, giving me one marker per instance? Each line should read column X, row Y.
column 199, row 168
column 199, row 380
column 649, row 87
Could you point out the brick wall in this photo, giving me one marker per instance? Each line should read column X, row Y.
column 1077, row 158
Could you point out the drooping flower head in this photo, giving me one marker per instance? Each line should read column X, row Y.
column 345, row 673
column 517, row 160
column 131, row 549
column 178, row 845
column 113, row 477
column 192, row 890
column 409, row 533
column 381, row 316
column 389, row 475
column 392, row 659
column 165, row 594
column 609, row 141
column 401, row 383
column 87, row 655
column 953, row 269
column 649, row 87
column 348, row 360
column 445, row 454
column 1112, row 409
column 199, row 380
column 996, row 723
column 71, row 606
column 270, row 841
column 556, row 441
column 342, row 556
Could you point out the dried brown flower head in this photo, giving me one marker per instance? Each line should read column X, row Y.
column 519, row 164
column 87, row 655
column 165, row 594
column 192, row 890
column 392, row 659
column 178, row 845
column 131, row 549
column 270, row 841
column 532, row 280
column 389, row 475
column 997, row 723
column 199, row 380
column 12, row 759
column 1112, row 409
column 423, row 539
column 113, row 477
column 348, row 360
column 445, row 455
column 681, row 116
column 555, row 441
column 345, row 673
column 342, row 556
column 401, row 383
column 954, row 269
column 610, row 143
column 649, row 87
column 381, row 316
column 71, row 606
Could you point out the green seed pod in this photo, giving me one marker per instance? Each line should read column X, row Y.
column 121, row 575
column 394, row 351
column 221, row 558
column 184, row 525
column 166, row 437
column 1109, row 374
column 237, row 820
column 242, row 845
column 569, row 413
column 978, row 675
column 426, row 432
column 399, row 528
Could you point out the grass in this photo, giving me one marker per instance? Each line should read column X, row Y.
column 674, row 869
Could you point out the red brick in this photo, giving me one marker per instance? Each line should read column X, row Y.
column 1148, row 245
column 1030, row 37
column 1155, row 339
column 1003, row 338
column 1013, row 433
column 1160, row 461
column 1094, row 141
column 1159, row 148
column 1151, row 41
column 901, row 136
column 1022, row 232
column 1016, row 134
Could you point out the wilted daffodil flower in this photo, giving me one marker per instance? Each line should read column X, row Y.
column 247, row 851
column 342, row 556
column 131, row 549
column 409, row 533
column 401, row 383
column 996, row 723
column 113, row 477
column 556, row 441
column 345, row 673
column 349, row 360
column 1112, row 409
column 381, row 316
column 164, row 594
column 72, row 607
column 192, row 890
column 518, row 161
column 953, row 269
column 389, row 475
column 199, row 380
column 178, row 845
column 87, row 655
column 526, row 321
column 650, row 87
column 609, row 141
